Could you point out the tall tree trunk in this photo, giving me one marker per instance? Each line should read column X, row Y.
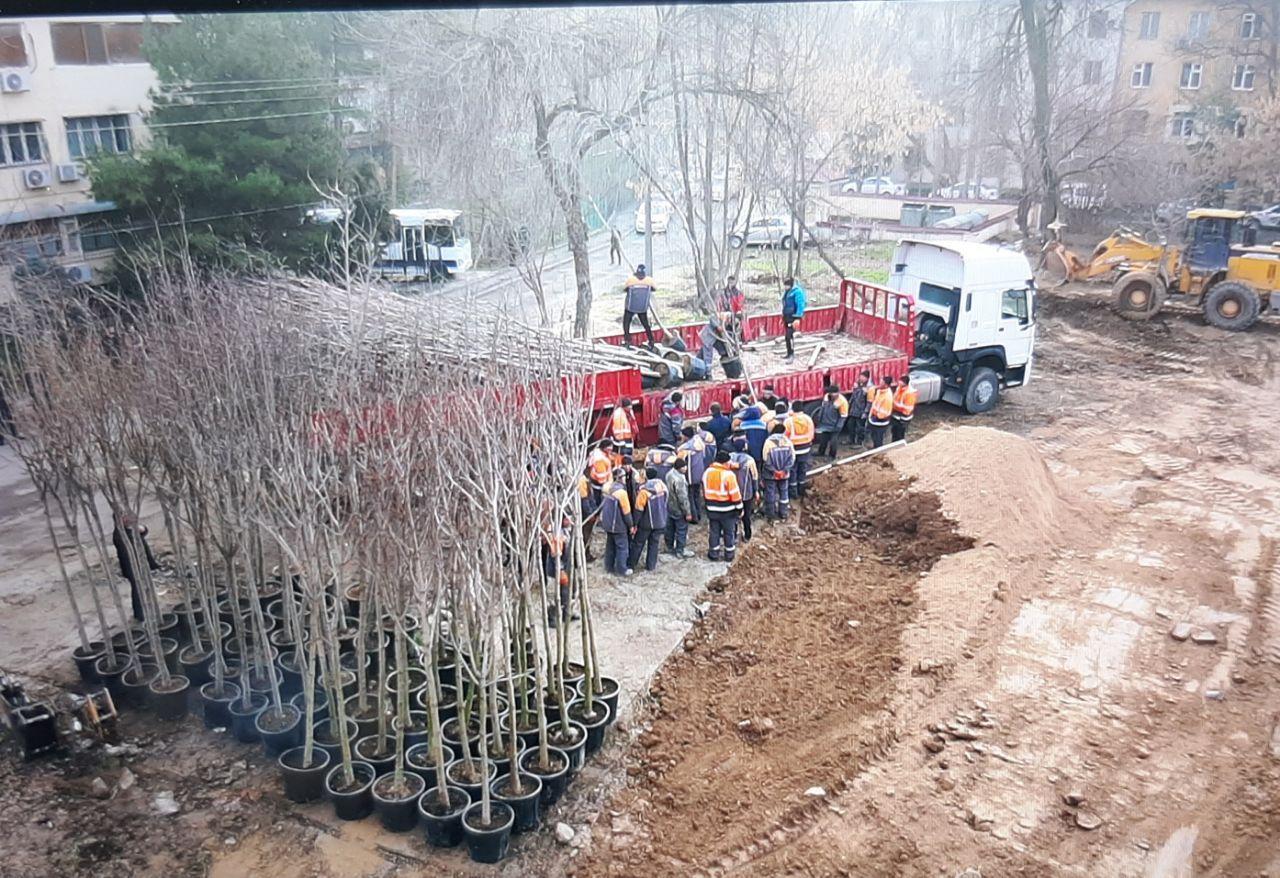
column 567, row 185
column 1033, row 30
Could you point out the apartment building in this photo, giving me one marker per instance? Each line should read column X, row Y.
column 1187, row 65
column 70, row 89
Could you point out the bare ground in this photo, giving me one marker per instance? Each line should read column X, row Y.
column 1142, row 493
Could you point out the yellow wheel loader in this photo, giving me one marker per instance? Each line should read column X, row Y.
column 1218, row 269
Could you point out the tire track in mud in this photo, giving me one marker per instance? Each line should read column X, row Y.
column 1267, row 635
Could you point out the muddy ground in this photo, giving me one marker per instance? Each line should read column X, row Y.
column 988, row 687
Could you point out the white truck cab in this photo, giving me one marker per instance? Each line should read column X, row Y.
column 975, row 319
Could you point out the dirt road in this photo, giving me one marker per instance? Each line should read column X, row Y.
column 1020, row 662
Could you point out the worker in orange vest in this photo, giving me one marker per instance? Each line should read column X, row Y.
column 622, row 427
column 651, row 521
column 881, row 411
column 800, row 430
column 589, row 500
column 904, row 406
column 724, row 507
column 618, row 524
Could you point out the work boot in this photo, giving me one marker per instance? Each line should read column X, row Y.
column 714, row 556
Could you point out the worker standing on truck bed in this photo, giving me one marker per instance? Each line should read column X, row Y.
column 832, row 415
column 724, row 506
column 618, row 524
column 651, row 521
column 779, row 461
column 881, row 411
column 639, row 291
column 800, row 431
column 904, row 407
column 793, row 302
column 859, row 406
column 622, row 427
column 679, row 512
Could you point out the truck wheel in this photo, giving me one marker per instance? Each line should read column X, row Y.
column 735, row 241
column 1139, row 295
column 1232, row 305
column 788, row 243
column 983, row 391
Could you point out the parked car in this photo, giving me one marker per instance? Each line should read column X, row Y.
column 661, row 213
column 969, row 191
column 874, row 186
column 772, row 231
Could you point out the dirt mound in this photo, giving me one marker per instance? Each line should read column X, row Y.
column 783, row 687
column 996, row 485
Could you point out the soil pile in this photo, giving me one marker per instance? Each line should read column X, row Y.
column 783, row 686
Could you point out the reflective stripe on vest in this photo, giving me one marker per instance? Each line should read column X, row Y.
column 616, row 507
column 720, row 489
column 882, row 406
column 600, row 466
column 651, row 499
column 621, row 425
column 904, row 403
column 800, row 431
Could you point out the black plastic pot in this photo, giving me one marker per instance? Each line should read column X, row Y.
column 555, row 780
column 499, row 757
column 169, row 701
column 244, row 719
column 453, row 772
column 195, row 665
column 525, row 804
column 447, row 671
column 609, row 690
column 279, row 732
column 443, row 820
column 109, row 675
column 367, row 751
column 281, row 638
column 417, row 682
column 418, row 760
column 354, row 802
column 352, row 595
column 368, row 722
column 120, row 640
column 448, row 701
column 85, row 660
column 215, row 705
column 169, row 649
column 303, row 784
column 290, row 674
column 449, row 731
column 573, row 674
column 595, row 725
column 171, row 627
column 322, row 704
column 136, row 683
column 398, row 810
column 419, row 729
column 327, row 738
column 487, row 843
column 574, row 743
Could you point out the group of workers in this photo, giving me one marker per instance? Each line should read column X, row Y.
column 723, row 469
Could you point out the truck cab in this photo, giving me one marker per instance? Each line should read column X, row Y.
column 975, row 327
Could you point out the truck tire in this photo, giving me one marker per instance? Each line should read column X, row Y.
column 1232, row 306
column 736, row 242
column 788, row 243
column 1139, row 295
column 982, row 392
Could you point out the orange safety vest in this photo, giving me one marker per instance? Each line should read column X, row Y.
column 720, row 489
column 621, row 427
column 800, row 430
column 601, row 467
column 904, row 403
column 881, row 407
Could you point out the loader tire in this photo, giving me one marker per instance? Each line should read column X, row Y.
column 1232, row 306
column 1139, row 295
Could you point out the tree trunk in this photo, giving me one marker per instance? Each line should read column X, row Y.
column 1033, row 30
column 567, row 185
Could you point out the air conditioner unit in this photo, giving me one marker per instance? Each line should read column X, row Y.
column 37, row 178
column 68, row 173
column 79, row 274
column 14, row 81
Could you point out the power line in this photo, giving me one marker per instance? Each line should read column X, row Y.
column 253, row 118
column 181, row 92
column 263, row 100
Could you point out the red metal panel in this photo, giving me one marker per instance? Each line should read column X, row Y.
column 879, row 315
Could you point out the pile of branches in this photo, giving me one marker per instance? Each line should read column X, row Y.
column 363, row 495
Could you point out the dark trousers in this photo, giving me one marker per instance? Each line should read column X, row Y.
column 777, row 501
column 135, row 597
column 800, row 476
column 858, row 430
column 789, row 332
column 747, row 507
column 677, row 534
column 643, row 317
column 876, row 432
column 696, row 505
column 625, row 448
column 645, row 543
column 722, row 531
column 616, row 550
column 615, row 252
column 898, row 429
column 827, row 443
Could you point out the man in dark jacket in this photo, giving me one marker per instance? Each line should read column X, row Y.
column 859, row 406
column 830, row 421
column 639, row 293
column 719, row 425
column 679, row 509
column 126, row 536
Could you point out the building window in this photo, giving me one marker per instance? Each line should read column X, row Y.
column 96, row 238
column 1198, row 27
column 13, row 48
column 21, row 143
column 1242, row 78
column 1250, row 27
column 1191, row 76
column 88, row 136
column 1150, row 27
column 1092, row 72
column 1097, row 25
column 97, row 43
column 1183, row 126
column 1141, row 76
